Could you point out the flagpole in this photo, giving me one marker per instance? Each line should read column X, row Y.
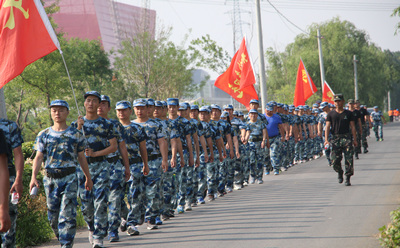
column 263, row 81
column 321, row 61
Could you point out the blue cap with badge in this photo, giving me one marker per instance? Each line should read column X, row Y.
column 204, row 109
column 215, row 106
column 182, row 106
column 194, row 107
column 224, row 114
column 157, row 103
column 254, row 101
column 92, row 93
column 123, row 105
column 150, row 102
column 253, row 111
column 173, row 101
column 105, row 98
column 140, row 103
column 228, row 106
column 60, row 103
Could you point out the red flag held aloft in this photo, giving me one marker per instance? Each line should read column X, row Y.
column 304, row 86
column 26, row 35
column 238, row 80
column 327, row 94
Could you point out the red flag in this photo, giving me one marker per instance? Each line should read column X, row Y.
column 26, row 35
column 304, row 86
column 238, row 80
column 327, row 94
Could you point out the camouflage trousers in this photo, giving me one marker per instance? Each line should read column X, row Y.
column 116, row 196
column 222, row 172
column 275, row 154
column 291, row 150
column 181, row 173
column 257, row 160
column 341, row 144
column 94, row 202
column 309, row 147
column 201, row 172
column 317, row 145
column 378, row 130
column 357, row 149
column 229, row 170
column 239, row 166
column 61, row 195
column 8, row 238
column 299, row 150
column 144, row 193
column 168, row 190
column 365, row 129
column 212, row 175
column 246, row 164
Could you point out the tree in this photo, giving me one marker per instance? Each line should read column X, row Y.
column 396, row 12
column 154, row 67
column 341, row 40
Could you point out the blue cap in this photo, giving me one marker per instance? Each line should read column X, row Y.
column 194, row 107
column 164, row 103
column 215, row 106
column 235, row 112
column 301, row 107
column 173, row 101
column 315, row 110
column 269, row 107
column 187, row 105
column 208, row 107
column 92, row 93
column 253, row 111
column 306, row 107
column 182, row 106
column 273, row 103
column 123, row 105
column 292, row 105
column 323, row 105
column 315, row 105
column 279, row 105
column 157, row 103
column 290, row 110
column 204, row 109
column 224, row 114
column 297, row 109
column 150, row 102
column 240, row 113
column 60, row 103
column 318, row 101
column 254, row 101
column 105, row 98
column 140, row 102
column 375, row 107
column 228, row 106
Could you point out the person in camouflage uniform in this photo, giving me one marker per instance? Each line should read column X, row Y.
column 321, row 128
column 185, row 151
column 340, row 123
column 119, row 171
column 157, row 151
column 61, row 148
column 376, row 119
column 15, row 160
column 5, row 151
column 101, row 141
column 257, row 136
column 137, row 154
column 364, row 125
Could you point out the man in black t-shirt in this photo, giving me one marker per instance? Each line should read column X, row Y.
column 340, row 123
column 358, row 123
column 365, row 125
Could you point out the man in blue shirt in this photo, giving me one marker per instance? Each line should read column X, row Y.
column 274, row 129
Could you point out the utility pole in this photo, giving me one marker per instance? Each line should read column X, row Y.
column 263, row 81
column 321, row 60
column 389, row 106
column 355, row 78
column 3, row 111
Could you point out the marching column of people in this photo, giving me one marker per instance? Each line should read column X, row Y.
column 174, row 156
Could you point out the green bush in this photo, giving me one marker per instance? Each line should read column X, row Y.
column 27, row 150
column 389, row 236
column 32, row 225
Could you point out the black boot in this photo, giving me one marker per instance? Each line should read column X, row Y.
column 347, row 182
column 340, row 177
column 365, row 150
column 356, row 155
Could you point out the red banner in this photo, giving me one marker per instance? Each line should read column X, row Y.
column 327, row 94
column 304, row 86
column 26, row 35
column 238, row 80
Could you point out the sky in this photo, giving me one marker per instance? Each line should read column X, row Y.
column 197, row 18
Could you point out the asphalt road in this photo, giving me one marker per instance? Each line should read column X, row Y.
column 302, row 207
